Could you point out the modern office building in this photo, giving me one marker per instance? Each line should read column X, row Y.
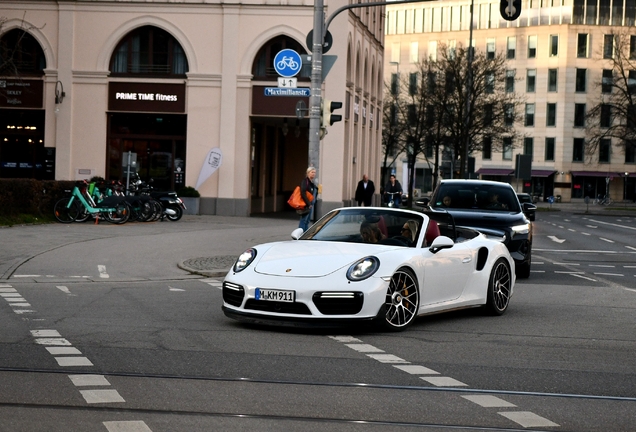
column 167, row 82
column 556, row 55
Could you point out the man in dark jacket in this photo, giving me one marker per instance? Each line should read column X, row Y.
column 365, row 191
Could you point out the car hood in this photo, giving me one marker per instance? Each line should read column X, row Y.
column 309, row 258
column 488, row 222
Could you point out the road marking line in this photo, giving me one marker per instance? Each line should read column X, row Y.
column 585, row 277
column 127, row 426
column 416, row 370
column 102, row 271
column 443, row 381
column 537, row 271
column 101, row 396
column 606, row 240
column 629, row 266
column 387, row 358
column 63, row 350
column 602, row 265
column 587, row 234
column 45, row 333
column 5, row 286
column 556, row 239
column 570, row 229
column 15, row 299
column 21, row 311
column 616, row 225
column 538, row 262
column 629, row 289
column 53, row 341
column 609, row 274
column 592, row 226
column 527, row 419
column 73, row 361
column 26, row 276
column 365, row 348
column 21, row 304
column 631, row 247
column 89, row 380
column 175, row 289
column 568, row 272
column 559, row 263
column 10, row 294
column 489, row 401
column 345, row 339
column 63, row 289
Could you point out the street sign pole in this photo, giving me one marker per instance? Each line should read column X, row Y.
column 316, row 87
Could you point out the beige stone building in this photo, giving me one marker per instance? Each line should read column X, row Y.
column 555, row 52
column 169, row 81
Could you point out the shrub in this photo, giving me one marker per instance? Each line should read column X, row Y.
column 188, row 192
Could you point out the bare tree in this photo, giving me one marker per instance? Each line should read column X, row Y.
column 612, row 117
column 430, row 108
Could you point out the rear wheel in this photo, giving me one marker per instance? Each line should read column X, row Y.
column 178, row 213
column 402, row 301
column 499, row 285
column 66, row 211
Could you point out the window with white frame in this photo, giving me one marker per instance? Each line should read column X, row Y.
column 554, row 45
column 490, row 48
column 395, row 52
column 529, row 120
column 414, row 55
column 432, row 50
column 512, row 47
column 507, row 148
column 582, row 45
column 532, row 46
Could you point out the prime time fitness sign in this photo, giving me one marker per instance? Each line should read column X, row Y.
column 147, row 97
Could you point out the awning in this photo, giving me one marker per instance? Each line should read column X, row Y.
column 542, row 173
column 595, row 174
column 495, row 171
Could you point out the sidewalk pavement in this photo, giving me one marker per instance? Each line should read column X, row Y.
column 218, row 266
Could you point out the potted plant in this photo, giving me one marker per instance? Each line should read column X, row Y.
column 190, row 197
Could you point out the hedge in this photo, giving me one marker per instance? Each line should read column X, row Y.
column 29, row 196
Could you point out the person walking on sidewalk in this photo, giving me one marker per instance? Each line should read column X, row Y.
column 307, row 185
column 365, row 191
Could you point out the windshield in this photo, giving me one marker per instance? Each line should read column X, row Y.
column 373, row 226
column 476, row 197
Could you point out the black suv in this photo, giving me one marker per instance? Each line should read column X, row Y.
column 491, row 208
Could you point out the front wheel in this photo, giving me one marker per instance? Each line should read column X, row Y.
column 178, row 213
column 499, row 286
column 402, row 301
column 65, row 210
column 120, row 215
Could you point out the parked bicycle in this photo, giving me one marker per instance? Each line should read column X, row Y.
column 113, row 209
column 602, row 200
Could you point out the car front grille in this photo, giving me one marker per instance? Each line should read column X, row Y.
column 278, row 307
column 338, row 303
column 233, row 294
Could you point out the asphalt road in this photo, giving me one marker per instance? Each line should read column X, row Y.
column 112, row 336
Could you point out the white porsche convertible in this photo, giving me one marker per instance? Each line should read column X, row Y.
column 369, row 264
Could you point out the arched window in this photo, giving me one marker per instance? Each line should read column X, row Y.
column 263, row 67
column 21, row 54
column 149, row 51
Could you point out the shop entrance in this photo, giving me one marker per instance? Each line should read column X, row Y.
column 278, row 160
column 157, row 140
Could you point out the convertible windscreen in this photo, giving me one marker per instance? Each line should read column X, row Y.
column 373, row 226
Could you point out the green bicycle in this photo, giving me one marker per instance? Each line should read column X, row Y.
column 113, row 209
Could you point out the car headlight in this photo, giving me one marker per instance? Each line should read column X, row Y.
column 244, row 260
column 362, row 269
column 520, row 229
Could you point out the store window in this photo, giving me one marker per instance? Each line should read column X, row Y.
column 149, row 51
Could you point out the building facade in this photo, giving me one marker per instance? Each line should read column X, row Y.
column 556, row 56
column 166, row 82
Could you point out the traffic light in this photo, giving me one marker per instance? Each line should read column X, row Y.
column 510, row 9
column 326, row 116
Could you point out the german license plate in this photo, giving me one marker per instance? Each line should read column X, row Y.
column 275, row 295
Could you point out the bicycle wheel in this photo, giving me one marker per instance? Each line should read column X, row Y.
column 120, row 215
column 607, row 201
column 65, row 210
column 83, row 215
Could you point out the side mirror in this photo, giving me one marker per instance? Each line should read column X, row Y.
column 441, row 242
column 297, row 233
column 527, row 207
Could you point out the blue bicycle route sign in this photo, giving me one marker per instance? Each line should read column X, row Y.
column 287, row 63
